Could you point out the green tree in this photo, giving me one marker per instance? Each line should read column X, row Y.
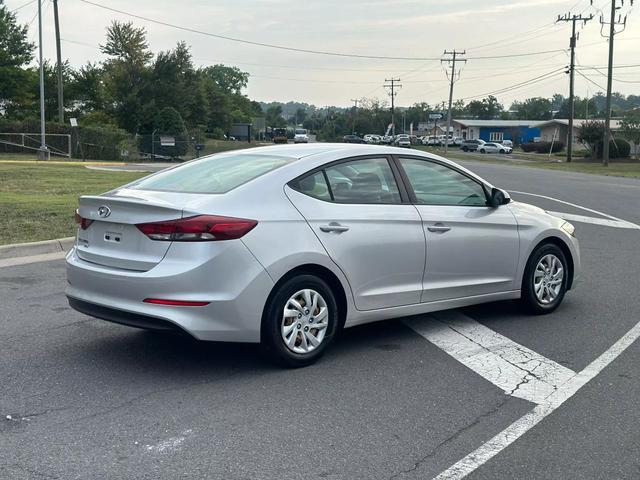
column 127, row 43
column 228, row 79
column 591, row 133
column 15, row 53
column 87, row 88
column 485, row 109
column 168, row 122
column 630, row 129
column 536, row 108
column 274, row 118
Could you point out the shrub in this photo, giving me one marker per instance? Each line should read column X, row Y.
column 542, row 147
column 618, row 148
column 89, row 142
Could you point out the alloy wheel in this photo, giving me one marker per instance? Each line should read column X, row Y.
column 547, row 279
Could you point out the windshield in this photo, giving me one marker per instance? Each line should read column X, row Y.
column 301, row 131
column 215, row 174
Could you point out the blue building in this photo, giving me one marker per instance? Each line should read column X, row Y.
column 518, row 131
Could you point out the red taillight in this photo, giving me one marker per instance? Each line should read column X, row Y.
column 201, row 228
column 83, row 223
column 175, row 303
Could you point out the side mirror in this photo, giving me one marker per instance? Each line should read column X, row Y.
column 498, row 197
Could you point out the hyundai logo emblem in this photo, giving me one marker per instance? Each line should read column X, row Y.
column 104, row 211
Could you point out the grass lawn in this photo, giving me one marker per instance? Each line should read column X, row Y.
column 38, row 200
column 615, row 169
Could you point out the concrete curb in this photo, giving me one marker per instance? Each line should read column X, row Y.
column 36, row 248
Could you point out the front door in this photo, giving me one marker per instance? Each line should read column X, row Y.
column 472, row 249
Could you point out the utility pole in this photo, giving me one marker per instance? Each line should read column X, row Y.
column 452, row 79
column 612, row 32
column 43, row 152
column 59, row 57
column 572, row 44
column 353, row 119
column 392, row 84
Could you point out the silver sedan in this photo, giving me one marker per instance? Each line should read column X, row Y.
column 287, row 245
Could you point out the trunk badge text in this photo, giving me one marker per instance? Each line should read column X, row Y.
column 104, row 211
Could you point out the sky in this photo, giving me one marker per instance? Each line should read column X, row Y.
column 418, row 30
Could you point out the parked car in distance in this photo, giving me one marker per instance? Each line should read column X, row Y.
column 470, row 145
column 402, row 140
column 491, row 147
column 372, row 138
column 286, row 245
column 431, row 140
column 387, row 139
column 352, row 139
column 300, row 135
column 507, row 143
column 414, row 139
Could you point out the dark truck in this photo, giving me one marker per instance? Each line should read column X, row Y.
column 279, row 135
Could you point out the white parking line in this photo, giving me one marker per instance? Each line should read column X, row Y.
column 568, row 203
column 596, row 221
column 612, row 222
column 525, row 423
column 515, row 369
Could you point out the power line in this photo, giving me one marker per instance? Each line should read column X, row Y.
column 590, row 81
column 22, row 6
column 295, row 49
column 525, row 83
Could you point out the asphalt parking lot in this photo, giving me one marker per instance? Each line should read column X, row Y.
column 85, row 399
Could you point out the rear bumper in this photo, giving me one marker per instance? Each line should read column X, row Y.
column 225, row 274
column 122, row 317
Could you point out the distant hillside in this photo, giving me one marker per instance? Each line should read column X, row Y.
column 289, row 109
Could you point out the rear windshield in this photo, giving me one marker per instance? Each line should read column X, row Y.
column 216, row 174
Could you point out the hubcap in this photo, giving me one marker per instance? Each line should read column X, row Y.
column 304, row 321
column 547, row 279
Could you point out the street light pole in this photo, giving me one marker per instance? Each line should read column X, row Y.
column 43, row 151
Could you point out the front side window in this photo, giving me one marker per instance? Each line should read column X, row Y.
column 435, row 184
column 363, row 181
column 215, row 174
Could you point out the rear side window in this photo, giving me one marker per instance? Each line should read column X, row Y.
column 216, row 174
column 366, row 181
column 315, row 186
column 363, row 181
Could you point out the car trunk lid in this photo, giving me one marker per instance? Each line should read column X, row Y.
column 112, row 238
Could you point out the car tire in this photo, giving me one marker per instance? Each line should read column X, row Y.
column 286, row 347
column 541, row 270
column 483, row 150
column 464, row 149
column 502, row 151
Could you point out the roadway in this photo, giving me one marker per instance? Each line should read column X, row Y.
column 87, row 399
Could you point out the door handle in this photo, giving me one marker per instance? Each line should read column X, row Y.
column 438, row 228
column 334, row 227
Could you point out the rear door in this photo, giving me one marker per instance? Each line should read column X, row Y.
column 112, row 238
column 356, row 210
column 472, row 249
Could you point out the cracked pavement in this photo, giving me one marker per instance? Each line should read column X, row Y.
column 84, row 399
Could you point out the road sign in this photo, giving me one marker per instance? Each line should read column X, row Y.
column 167, row 141
column 435, row 116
